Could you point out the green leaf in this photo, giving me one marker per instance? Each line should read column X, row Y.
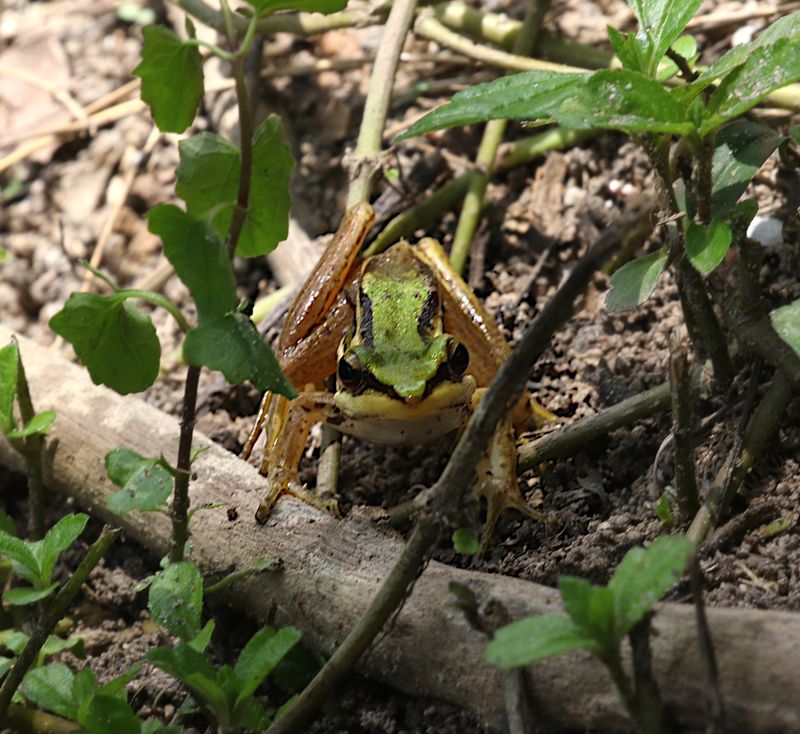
column 786, row 321
column 9, row 361
column 264, row 7
column 621, row 99
column 660, row 23
column 146, row 485
column 253, row 716
column 644, row 576
column 464, row 541
column 259, row 657
column 50, row 688
column 591, row 608
column 234, row 346
column 765, row 70
column 706, row 247
column 5, row 663
column 181, row 661
column 529, row 95
column 635, row 281
column 117, row 343
column 627, row 48
column 60, row 537
column 39, row 424
column 172, row 78
column 176, row 599
column 536, row 638
column 741, row 148
column 54, row 645
column 201, row 640
column 23, row 595
column 297, row 668
column 200, row 260
column 20, row 553
column 105, row 714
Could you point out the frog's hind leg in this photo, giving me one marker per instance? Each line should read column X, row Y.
column 282, row 455
column 497, row 482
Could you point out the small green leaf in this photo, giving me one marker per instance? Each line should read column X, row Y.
column 117, row 343
column 591, row 608
column 181, row 661
column 203, row 638
column 40, row 424
column 660, row 23
column 663, row 507
column 136, row 14
column 464, row 541
column 706, row 247
column 635, row 281
column 9, row 361
column 297, row 668
column 146, row 485
column 172, row 78
column 19, row 552
column 765, row 70
column 259, row 657
column 200, row 260
column 105, row 714
column 786, row 322
column 176, row 599
column 644, row 576
column 50, row 688
column 741, row 148
column 24, row 595
column 529, row 95
column 536, row 638
column 60, row 537
column 264, row 7
column 234, row 346
column 54, row 645
column 627, row 48
column 621, row 99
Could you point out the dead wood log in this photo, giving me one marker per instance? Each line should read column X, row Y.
column 332, row 568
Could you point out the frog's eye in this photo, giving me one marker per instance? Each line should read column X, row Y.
column 349, row 371
column 457, row 358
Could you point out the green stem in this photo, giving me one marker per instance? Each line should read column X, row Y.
column 158, row 300
column 54, row 612
column 246, row 143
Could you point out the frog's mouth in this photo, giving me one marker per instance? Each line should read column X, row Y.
column 371, row 384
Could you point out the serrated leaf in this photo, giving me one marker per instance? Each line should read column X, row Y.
column 706, row 247
column 146, row 485
column 786, row 322
column 464, row 541
column 590, row 607
column 536, row 638
column 529, row 95
column 200, row 259
column 176, row 599
column 181, row 661
column 105, row 714
column 741, row 148
column 622, row 99
column 60, row 537
column 264, row 7
column 265, row 649
column 50, row 687
column 626, row 47
column 233, row 346
column 9, row 361
column 765, row 70
column 23, row 595
column 172, row 78
column 635, row 281
column 117, row 343
column 660, row 23
column 54, row 645
column 20, row 553
column 40, row 424
column 644, row 576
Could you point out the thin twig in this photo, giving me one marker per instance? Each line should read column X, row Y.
column 682, row 430
column 649, row 705
column 53, row 614
column 25, row 720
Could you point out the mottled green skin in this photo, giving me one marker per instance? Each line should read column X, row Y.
column 400, row 340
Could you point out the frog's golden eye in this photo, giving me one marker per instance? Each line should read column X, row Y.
column 457, row 358
column 349, row 371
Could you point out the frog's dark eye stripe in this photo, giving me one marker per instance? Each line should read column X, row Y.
column 457, row 358
column 367, row 336
column 430, row 310
column 349, row 372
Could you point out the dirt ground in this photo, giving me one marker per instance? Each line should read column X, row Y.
column 58, row 200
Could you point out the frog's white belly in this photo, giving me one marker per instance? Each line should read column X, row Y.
column 378, row 418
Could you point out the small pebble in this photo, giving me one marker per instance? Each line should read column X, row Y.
column 767, row 231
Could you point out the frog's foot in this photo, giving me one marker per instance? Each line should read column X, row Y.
column 295, row 489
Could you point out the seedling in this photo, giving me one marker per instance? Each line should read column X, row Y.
column 598, row 617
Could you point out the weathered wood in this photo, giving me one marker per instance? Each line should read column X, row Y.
column 331, row 569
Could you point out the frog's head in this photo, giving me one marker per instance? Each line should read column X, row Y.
column 398, row 346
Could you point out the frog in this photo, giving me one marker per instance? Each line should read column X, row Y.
column 411, row 350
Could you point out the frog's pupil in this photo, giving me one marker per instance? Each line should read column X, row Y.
column 458, row 359
column 348, row 374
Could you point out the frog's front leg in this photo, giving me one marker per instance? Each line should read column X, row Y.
column 281, row 463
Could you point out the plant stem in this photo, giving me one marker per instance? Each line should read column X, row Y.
column 649, row 705
column 158, row 300
column 26, row 720
column 493, row 133
column 613, row 663
column 54, row 612
column 685, row 483
column 246, row 145
column 379, row 94
column 31, row 448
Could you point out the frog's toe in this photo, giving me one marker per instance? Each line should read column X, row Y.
column 324, row 504
column 502, row 495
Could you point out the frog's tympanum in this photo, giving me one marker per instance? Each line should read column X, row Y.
column 411, row 348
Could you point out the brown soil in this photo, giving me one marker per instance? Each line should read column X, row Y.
column 538, row 222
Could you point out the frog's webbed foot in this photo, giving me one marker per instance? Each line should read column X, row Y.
column 287, row 425
column 497, row 482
